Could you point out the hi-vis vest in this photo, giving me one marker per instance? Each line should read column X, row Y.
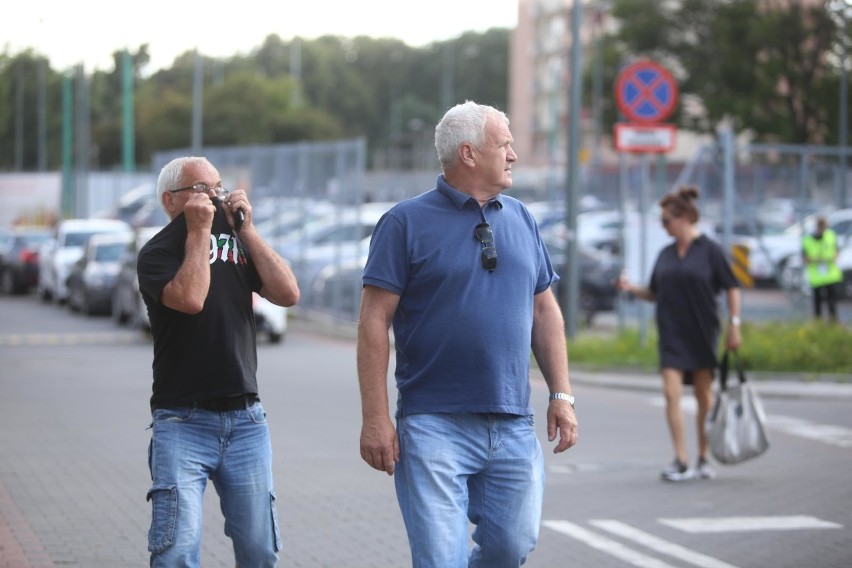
column 822, row 270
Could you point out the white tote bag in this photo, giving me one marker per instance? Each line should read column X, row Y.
column 736, row 426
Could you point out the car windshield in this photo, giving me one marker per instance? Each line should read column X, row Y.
column 34, row 239
column 110, row 252
column 77, row 239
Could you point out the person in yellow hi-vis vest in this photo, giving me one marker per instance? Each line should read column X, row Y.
column 820, row 252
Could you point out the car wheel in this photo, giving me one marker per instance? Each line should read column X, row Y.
column 45, row 295
column 275, row 337
column 85, row 305
column 790, row 275
column 118, row 316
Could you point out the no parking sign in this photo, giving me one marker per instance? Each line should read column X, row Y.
column 646, row 94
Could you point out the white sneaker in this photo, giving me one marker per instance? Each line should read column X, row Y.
column 677, row 471
column 703, row 470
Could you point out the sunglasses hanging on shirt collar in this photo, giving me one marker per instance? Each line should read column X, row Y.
column 485, row 236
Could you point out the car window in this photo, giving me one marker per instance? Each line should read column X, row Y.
column 77, row 239
column 109, row 253
column 843, row 228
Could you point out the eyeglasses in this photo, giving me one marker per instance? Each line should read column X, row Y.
column 199, row 187
column 484, row 235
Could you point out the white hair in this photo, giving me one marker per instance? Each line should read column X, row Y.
column 172, row 174
column 463, row 123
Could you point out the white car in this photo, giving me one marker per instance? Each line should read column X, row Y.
column 128, row 307
column 57, row 257
column 844, row 261
column 779, row 255
column 271, row 319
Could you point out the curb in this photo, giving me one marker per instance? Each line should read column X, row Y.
column 770, row 385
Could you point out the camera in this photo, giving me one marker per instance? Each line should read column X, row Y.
column 239, row 215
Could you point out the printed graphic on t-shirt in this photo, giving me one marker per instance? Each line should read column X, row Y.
column 226, row 248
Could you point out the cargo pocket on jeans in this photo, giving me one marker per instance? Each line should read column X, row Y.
column 276, row 533
column 161, row 535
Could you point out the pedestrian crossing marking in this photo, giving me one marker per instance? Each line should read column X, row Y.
column 744, row 524
column 839, row 436
column 607, row 545
column 684, row 556
column 660, row 545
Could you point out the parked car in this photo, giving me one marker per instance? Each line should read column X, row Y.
column 92, row 278
column 19, row 258
column 598, row 270
column 58, row 256
column 128, row 307
column 844, row 261
column 271, row 319
column 333, row 239
column 337, row 287
column 778, row 256
column 785, row 211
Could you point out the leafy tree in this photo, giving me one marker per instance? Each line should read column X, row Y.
column 763, row 65
column 381, row 89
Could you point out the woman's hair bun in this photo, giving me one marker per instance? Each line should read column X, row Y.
column 688, row 192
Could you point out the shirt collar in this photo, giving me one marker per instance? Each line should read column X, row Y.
column 459, row 198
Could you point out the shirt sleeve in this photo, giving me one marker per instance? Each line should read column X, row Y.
column 156, row 268
column 723, row 275
column 387, row 264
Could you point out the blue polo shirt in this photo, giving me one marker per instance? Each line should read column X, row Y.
column 462, row 334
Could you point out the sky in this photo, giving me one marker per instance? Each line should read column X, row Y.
column 72, row 32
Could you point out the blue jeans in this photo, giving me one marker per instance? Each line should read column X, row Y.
column 232, row 448
column 485, row 468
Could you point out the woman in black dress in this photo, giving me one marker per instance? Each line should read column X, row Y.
column 685, row 284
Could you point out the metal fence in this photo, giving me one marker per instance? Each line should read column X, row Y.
column 746, row 188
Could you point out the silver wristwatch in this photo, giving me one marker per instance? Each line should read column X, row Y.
column 563, row 396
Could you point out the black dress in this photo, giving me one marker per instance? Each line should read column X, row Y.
column 686, row 291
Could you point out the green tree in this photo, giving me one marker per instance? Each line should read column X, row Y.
column 764, row 65
column 381, row 89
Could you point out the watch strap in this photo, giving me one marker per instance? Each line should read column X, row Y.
column 563, row 396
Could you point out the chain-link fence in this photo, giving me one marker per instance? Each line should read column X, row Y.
column 316, row 204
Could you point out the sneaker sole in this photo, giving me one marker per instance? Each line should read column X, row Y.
column 674, row 477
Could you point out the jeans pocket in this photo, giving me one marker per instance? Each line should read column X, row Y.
column 161, row 535
column 257, row 413
column 276, row 532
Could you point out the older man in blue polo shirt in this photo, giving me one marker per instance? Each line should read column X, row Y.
column 462, row 275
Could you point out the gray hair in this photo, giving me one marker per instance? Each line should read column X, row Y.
column 464, row 123
column 172, row 174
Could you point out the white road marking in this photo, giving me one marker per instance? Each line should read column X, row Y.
column 607, row 545
column 832, row 435
column 660, row 545
column 743, row 524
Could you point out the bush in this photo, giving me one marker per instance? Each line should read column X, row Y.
column 812, row 347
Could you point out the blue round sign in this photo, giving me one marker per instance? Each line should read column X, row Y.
column 646, row 92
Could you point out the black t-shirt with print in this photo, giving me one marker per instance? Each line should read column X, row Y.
column 211, row 354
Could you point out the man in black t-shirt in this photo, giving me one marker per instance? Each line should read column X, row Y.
column 197, row 276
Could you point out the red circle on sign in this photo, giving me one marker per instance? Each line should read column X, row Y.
column 646, row 92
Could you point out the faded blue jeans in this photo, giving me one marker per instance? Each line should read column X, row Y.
column 484, row 468
column 231, row 448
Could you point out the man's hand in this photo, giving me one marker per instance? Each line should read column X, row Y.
column 236, row 201
column 379, row 445
column 199, row 212
column 560, row 416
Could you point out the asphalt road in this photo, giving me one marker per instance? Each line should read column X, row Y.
column 73, row 469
